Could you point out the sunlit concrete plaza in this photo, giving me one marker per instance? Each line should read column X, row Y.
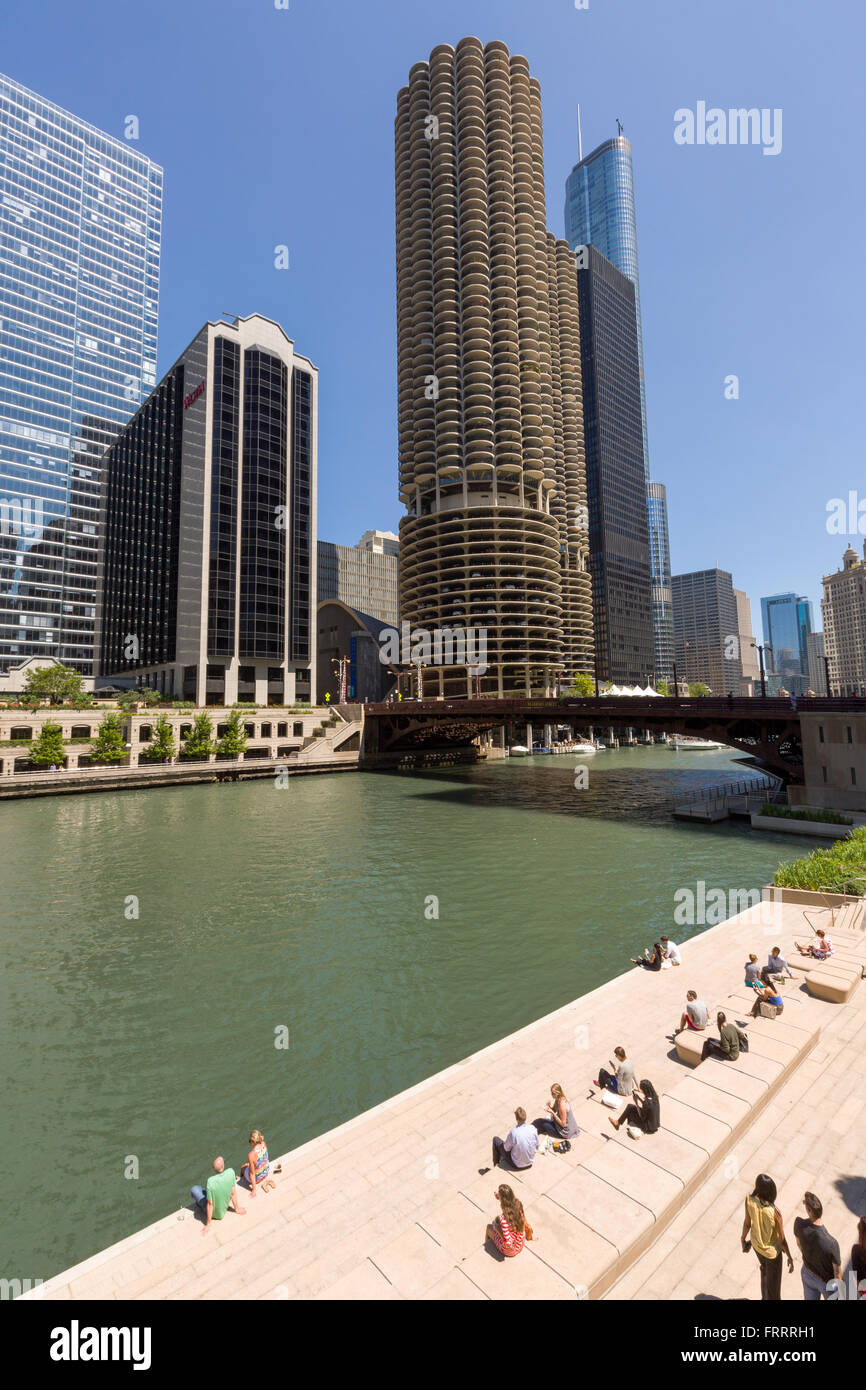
column 394, row 1205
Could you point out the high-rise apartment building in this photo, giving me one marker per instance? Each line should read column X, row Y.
column 747, row 644
column 615, row 484
column 207, row 588
column 600, row 212
column 363, row 576
column 844, row 610
column 787, row 621
column 80, row 227
column 815, row 653
column 490, row 422
column 705, row 630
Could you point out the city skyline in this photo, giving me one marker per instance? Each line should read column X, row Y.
column 735, row 268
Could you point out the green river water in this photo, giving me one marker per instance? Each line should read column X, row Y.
column 304, row 909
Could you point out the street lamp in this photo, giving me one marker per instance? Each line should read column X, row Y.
column 760, row 650
column 342, row 664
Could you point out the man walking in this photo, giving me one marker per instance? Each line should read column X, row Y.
column 822, row 1258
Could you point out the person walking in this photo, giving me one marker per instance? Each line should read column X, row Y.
column 764, row 1233
column 559, row 1122
column 822, row 1258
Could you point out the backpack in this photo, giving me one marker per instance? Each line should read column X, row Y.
column 744, row 1040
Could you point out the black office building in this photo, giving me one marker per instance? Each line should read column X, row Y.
column 615, row 479
column 207, row 588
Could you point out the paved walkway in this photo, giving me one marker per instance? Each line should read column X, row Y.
column 393, row 1204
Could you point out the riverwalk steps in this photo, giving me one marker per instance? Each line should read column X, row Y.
column 394, row 1203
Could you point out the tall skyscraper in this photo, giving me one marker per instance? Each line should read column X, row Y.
column 600, row 212
column 80, row 224
column 208, row 585
column 705, row 622
column 615, row 484
column 492, row 470
column 748, row 648
column 787, row 621
column 816, row 652
column 363, row 576
column 844, row 610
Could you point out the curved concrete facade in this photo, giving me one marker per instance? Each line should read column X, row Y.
column 492, row 470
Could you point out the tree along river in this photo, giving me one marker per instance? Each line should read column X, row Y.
column 146, row 1044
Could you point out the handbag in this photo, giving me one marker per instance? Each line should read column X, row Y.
column 527, row 1230
column 744, row 1040
column 633, row 1131
column 767, row 1010
column 611, row 1099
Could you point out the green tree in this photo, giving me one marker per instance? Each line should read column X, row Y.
column 581, row 684
column 234, row 740
column 48, row 747
column 109, row 745
column 163, row 745
column 145, row 696
column 698, row 688
column 662, row 687
column 83, row 700
column 55, row 683
column 199, row 741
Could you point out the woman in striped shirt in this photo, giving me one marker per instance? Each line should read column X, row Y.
column 509, row 1231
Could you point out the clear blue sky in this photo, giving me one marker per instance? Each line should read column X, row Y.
column 277, row 127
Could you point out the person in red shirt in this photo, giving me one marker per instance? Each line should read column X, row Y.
column 510, row 1230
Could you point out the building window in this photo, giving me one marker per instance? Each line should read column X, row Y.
column 824, row 773
column 820, row 733
column 850, row 735
column 282, row 731
column 853, row 777
column 266, row 731
column 298, row 730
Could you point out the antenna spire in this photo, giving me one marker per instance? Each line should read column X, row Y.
column 618, row 126
column 579, row 138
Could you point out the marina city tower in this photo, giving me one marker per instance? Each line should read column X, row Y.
column 491, row 447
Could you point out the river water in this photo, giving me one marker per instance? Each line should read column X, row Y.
column 143, row 1045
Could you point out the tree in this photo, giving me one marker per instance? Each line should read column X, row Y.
column 48, row 747
column 662, row 687
column 163, row 745
column 146, row 696
column 83, row 700
column 581, row 684
column 698, row 688
column 109, row 745
column 234, row 740
column 199, row 741
column 55, row 683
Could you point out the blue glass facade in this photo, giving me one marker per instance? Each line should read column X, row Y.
column 80, row 229
column 787, row 622
column 600, row 212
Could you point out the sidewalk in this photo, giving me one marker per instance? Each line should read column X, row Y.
column 392, row 1204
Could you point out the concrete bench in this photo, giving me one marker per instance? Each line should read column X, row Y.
column 834, row 986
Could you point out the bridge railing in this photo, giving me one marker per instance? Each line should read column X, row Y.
column 746, row 786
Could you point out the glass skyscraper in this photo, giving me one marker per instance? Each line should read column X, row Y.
column 600, row 212
column 787, row 622
column 80, row 227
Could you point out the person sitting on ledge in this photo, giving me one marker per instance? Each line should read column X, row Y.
column 777, row 965
column 820, row 949
column 645, row 1111
column 520, row 1144
column 256, row 1171
column 622, row 1081
column 696, row 1013
column 559, row 1121
column 671, row 951
column 650, row 962
column 510, row 1230
column 753, row 972
column 221, row 1193
column 768, row 994
column 728, row 1045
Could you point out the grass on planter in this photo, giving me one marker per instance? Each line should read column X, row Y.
column 841, row 867
column 791, row 813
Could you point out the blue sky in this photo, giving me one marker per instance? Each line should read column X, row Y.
column 276, row 127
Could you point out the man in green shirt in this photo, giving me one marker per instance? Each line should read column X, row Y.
column 728, row 1046
column 221, row 1194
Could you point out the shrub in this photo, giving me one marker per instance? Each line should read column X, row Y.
column 109, row 745
column 841, row 867
column 792, row 813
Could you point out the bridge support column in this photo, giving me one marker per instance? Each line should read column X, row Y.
column 529, row 737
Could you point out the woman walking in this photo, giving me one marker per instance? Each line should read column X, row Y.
column 764, row 1233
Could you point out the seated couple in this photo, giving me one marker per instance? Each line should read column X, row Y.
column 520, row 1145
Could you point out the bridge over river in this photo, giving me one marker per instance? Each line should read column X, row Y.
column 426, row 731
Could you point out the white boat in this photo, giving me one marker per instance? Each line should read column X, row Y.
column 583, row 748
column 518, row 750
column 694, row 744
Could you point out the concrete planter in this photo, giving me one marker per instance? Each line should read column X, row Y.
column 807, row 897
column 818, row 829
